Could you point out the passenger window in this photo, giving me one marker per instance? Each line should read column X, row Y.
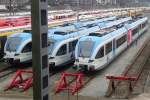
column 108, row 47
column 135, row 31
column 27, row 48
column 62, row 50
column 121, row 40
column 100, row 53
column 144, row 24
column 72, row 45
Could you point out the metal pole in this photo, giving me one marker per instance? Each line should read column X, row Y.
column 39, row 50
column 13, row 6
column 9, row 7
column 78, row 10
column 92, row 4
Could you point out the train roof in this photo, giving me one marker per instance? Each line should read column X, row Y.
column 110, row 27
column 65, row 32
column 62, row 35
column 100, row 39
column 135, row 22
column 77, row 25
column 103, row 32
column 59, row 33
column 109, row 24
column 61, row 29
column 22, row 36
column 99, row 20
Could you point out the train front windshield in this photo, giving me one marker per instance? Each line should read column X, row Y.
column 13, row 44
column 85, row 49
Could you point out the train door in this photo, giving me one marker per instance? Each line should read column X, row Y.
column 71, row 51
column 62, row 55
column 114, row 46
column 100, row 58
column 2, row 44
column 26, row 53
column 108, row 51
column 129, row 36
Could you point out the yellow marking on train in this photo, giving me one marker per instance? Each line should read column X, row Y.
column 9, row 33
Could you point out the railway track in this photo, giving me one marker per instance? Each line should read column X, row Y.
column 7, row 71
column 135, row 69
column 56, row 75
column 146, row 77
column 1, row 60
column 87, row 77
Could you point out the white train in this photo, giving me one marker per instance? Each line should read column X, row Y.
column 18, row 46
column 61, row 43
column 94, row 52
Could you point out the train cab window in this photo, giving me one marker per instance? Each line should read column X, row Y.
column 27, row 48
column 62, row 50
column 108, row 47
column 100, row 53
column 72, row 45
column 121, row 40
